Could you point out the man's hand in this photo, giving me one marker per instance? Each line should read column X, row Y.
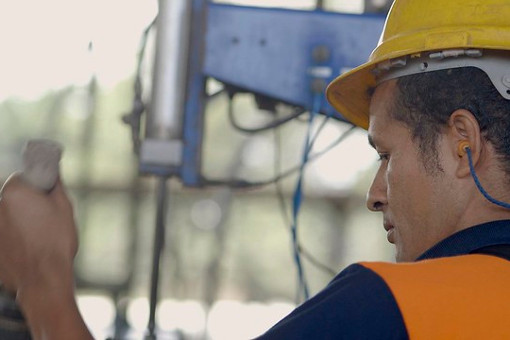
column 38, row 243
column 38, row 238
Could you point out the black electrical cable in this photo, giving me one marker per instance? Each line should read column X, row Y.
column 244, row 184
column 274, row 124
column 277, row 171
column 141, row 53
column 133, row 118
column 314, row 261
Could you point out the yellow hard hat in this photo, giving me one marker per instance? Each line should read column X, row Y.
column 414, row 27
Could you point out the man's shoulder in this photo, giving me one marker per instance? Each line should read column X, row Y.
column 371, row 300
column 356, row 304
column 461, row 289
column 370, row 275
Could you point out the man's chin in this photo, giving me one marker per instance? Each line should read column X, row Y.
column 401, row 256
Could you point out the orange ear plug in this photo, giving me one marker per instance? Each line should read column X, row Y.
column 462, row 148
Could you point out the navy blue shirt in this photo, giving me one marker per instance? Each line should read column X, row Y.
column 358, row 303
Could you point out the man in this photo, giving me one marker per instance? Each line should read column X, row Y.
column 434, row 96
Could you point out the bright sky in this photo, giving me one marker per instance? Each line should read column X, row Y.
column 44, row 44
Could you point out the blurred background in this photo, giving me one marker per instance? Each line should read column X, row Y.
column 67, row 72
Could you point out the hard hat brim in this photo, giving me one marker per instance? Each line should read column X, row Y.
column 349, row 94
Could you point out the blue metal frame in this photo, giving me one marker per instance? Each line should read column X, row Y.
column 190, row 171
column 267, row 51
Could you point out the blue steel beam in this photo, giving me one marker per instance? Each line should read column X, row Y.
column 266, row 51
column 190, row 171
column 269, row 51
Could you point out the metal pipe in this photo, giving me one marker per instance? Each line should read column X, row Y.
column 164, row 121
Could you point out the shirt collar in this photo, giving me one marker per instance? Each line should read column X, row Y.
column 470, row 239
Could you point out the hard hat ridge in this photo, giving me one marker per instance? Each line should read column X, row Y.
column 496, row 64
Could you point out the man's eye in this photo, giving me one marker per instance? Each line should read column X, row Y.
column 384, row 156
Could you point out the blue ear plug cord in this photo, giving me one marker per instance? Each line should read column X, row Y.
column 297, row 199
column 479, row 185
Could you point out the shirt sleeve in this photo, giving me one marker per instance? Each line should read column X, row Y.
column 357, row 304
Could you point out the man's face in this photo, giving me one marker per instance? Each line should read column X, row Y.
column 414, row 202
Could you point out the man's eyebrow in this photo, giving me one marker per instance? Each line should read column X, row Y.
column 371, row 141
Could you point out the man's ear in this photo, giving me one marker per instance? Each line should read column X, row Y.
column 464, row 132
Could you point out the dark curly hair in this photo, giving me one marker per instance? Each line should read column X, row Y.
column 426, row 101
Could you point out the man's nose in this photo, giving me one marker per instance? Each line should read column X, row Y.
column 376, row 196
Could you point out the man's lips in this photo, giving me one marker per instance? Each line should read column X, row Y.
column 391, row 230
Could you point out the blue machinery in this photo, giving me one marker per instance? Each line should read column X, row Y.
column 277, row 53
column 285, row 55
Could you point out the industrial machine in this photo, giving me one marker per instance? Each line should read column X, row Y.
column 280, row 55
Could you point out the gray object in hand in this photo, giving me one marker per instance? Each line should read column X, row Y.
column 41, row 159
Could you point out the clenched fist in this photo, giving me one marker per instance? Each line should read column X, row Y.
column 38, row 237
column 38, row 243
